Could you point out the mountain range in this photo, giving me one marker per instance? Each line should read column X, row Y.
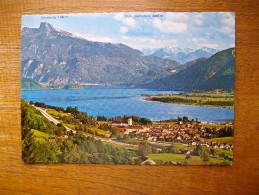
column 181, row 55
column 216, row 72
column 54, row 56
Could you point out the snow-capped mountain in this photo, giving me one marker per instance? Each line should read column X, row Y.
column 184, row 55
column 147, row 52
column 210, row 50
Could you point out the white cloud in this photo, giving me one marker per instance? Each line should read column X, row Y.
column 198, row 19
column 228, row 19
column 118, row 16
column 206, row 35
column 209, row 45
column 134, row 42
column 123, row 30
column 177, row 17
column 226, row 30
column 129, row 21
column 202, row 42
column 147, row 43
column 92, row 37
column 169, row 26
column 228, row 23
column 232, row 45
column 197, row 40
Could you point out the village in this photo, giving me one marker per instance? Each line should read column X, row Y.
column 173, row 141
column 189, row 133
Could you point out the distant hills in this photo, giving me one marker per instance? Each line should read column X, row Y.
column 29, row 84
column 54, row 56
column 216, row 72
column 181, row 55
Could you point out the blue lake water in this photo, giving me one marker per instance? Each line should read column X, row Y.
column 120, row 101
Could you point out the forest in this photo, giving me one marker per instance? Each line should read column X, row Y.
column 76, row 148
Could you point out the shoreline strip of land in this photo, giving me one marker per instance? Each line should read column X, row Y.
column 205, row 99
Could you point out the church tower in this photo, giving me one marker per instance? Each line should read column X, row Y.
column 130, row 121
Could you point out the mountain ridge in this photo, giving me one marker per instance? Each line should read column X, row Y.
column 216, row 72
column 59, row 57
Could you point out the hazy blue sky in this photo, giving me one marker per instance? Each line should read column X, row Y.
column 147, row 30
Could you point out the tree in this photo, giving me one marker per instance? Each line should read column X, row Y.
column 171, row 149
column 145, row 121
column 126, row 137
column 205, row 156
column 101, row 118
column 198, row 150
column 28, row 151
column 115, row 133
column 144, row 149
column 212, row 151
column 185, row 119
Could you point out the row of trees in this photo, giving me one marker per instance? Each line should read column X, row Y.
column 181, row 100
column 174, row 100
column 124, row 119
column 226, row 131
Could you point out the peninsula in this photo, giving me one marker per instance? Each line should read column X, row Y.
column 212, row 99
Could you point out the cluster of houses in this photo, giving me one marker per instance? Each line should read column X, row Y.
column 191, row 134
column 225, row 146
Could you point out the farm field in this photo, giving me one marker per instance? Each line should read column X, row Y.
column 39, row 134
column 228, row 140
column 180, row 158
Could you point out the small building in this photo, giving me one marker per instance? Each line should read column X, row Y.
column 62, row 137
column 52, row 139
column 148, row 162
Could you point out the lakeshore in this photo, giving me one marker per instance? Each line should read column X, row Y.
column 119, row 101
column 207, row 99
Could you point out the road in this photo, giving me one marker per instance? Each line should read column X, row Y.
column 55, row 121
column 159, row 143
column 52, row 119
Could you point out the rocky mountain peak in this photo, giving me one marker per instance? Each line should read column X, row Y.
column 46, row 27
column 56, row 56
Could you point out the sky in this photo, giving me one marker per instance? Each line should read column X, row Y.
column 147, row 30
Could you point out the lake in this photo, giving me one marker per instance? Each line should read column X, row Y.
column 120, row 101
